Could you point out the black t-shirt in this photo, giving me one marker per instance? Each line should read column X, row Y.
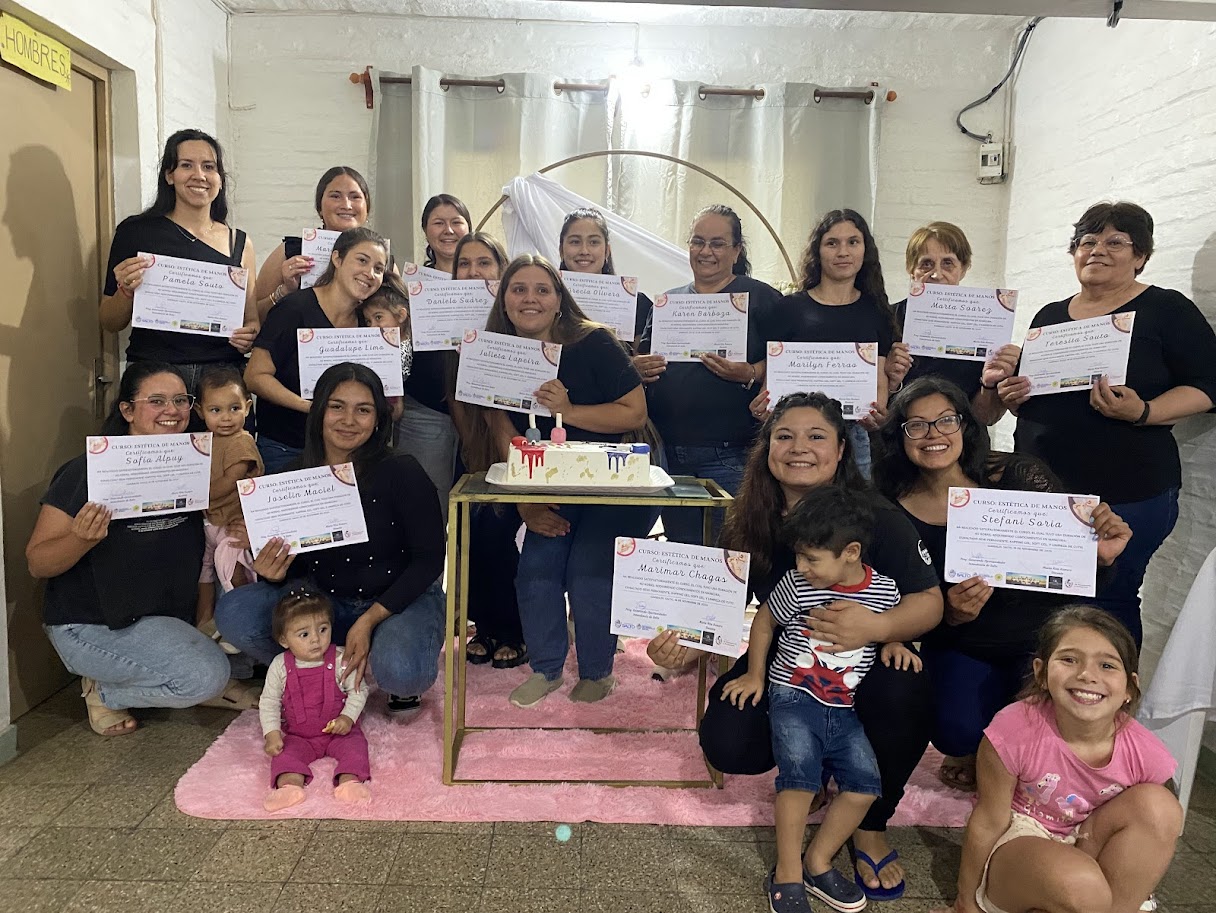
column 645, row 307
column 595, row 370
column 161, row 235
column 800, row 318
column 144, row 566
column 967, row 375
column 299, row 310
column 428, row 379
column 689, row 404
column 1172, row 345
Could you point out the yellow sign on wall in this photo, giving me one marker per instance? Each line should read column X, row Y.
column 38, row 54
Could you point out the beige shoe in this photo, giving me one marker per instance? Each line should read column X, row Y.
column 534, row 690
column 588, row 691
column 103, row 720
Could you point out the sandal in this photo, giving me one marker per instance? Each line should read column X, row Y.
column 102, row 719
column 520, row 657
column 236, row 696
column 879, row 893
column 958, row 772
column 487, row 643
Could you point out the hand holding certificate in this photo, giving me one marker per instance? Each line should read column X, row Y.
column 845, row 371
column 610, row 300
column 312, row 509
column 1022, row 540
column 442, row 309
column 1072, row 356
column 504, row 372
column 138, row 475
column 317, row 243
column 685, row 327
column 953, row 321
column 697, row 591
column 378, row 348
column 190, row 296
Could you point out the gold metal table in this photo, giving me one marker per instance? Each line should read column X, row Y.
column 472, row 489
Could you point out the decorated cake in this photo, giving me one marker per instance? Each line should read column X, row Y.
column 532, row 461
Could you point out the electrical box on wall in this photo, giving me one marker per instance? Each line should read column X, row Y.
column 992, row 163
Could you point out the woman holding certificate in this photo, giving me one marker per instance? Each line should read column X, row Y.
column 978, row 658
column 355, row 272
column 388, row 607
column 1114, row 440
column 584, row 247
column 186, row 222
column 121, row 594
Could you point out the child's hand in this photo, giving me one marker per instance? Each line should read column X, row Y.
column 338, row 726
column 742, row 688
column 274, row 743
column 900, row 656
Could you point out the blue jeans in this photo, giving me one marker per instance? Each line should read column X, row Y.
column 860, row 439
column 405, row 647
column 157, row 662
column 724, row 464
column 1151, row 521
column 967, row 693
column 430, row 438
column 811, row 739
column 578, row 563
column 277, row 457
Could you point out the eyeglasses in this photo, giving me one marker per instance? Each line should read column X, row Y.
column 947, row 424
column 185, row 401
column 1114, row 245
column 717, row 245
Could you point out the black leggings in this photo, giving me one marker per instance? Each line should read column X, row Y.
column 895, row 708
column 493, row 562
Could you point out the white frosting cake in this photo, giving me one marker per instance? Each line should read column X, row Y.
column 578, row 463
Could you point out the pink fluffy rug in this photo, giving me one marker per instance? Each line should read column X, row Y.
column 231, row 778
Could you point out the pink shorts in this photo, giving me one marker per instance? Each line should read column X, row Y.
column 1020, row 826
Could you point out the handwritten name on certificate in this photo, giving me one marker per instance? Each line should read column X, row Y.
column 952, row 321
column 697, row 591
column 1022, row 540
column 378, row 348
column 190, row 296
column 504, row 372
column 137, row 475
column 1072, row 356
column 685, row 327
column 414, row 271
column 317, row 243
column 312, row 509
column 442, row 309
column 610, row 300
column 845, row 371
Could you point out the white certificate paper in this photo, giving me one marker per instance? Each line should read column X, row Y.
column 688, row 326
column 845, row 371
column 1022, row 540
column 312, row 509
column 414, row 271
column 610, row 300
column 698, row 591
column 442, row 309
column 317, row 243
column 504, row 372
column 190, row 296
column 137, row 475
column 952, row 321
column 378, row 348
column 1072, row 356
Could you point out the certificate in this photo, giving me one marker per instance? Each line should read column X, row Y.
column 136, row 475
column 190, row 296
column 311, row 508
column 697, row 591
column 610, row 300
column 951, row 321
column 504, row 372
column 378, row 348
column 414, row 271
column 686, row 327
column 442, row 309
column 1022, row 540
column 1074, row 355
column 845, row 371
column 317, row 243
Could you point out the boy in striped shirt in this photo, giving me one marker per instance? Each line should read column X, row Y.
column 816, row 733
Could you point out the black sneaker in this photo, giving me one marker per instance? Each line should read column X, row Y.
column 786, row 898
column 408, row 704
column 835, row 890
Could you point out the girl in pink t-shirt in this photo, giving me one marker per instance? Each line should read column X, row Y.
column 1073, row 813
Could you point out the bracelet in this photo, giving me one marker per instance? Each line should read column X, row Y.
column 751, row 383
column 986, row 387
column 1143, row 415
column 278, row 294
column 126, row 291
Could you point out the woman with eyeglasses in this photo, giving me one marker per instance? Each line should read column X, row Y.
column 121, row 594
column 701, row 409
column 978, row 657
column 1115, row 440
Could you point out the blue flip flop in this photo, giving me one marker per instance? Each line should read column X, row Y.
column 879, row 893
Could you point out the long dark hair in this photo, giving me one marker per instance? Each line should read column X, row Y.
column 743, row 266
column 338, row 171
column 376, row 447
column 128, row 389
column 572, row 324
column 166, row 196
column 348, row 240
column 753, row 521
column 488, row 241
column 868, row 280
column 589, row 215
column 442, row 199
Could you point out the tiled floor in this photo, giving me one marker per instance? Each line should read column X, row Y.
column 88, row 824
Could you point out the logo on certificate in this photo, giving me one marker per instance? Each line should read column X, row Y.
column 738, row 300
column 868, row 352
column 626, row 546
column 246, row 487
column 552, row 351
column 775, row 349
column 414, row 288
column 98, row 444
column 1007, row 298
column 959, row 497
column 201, row 442
column 630, row 285
column 305, row 335
column 344, row 473
column 661, row 301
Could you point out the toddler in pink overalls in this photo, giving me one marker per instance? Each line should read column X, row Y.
column 309, row 710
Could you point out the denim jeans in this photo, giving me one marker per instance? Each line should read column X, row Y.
column 1151, row 521
column 724, row 464
column 430, row 438
column 405, row 646
column 578, row 563
column 277, row 457
column 157, row 662
column 968, row 692
column 861, row 448
column 811, row 739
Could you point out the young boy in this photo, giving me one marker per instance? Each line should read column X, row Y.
column 810, row 691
